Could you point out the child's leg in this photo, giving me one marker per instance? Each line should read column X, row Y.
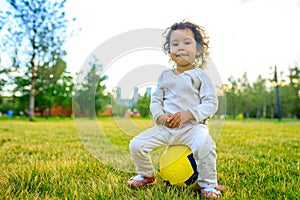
column 142, row 145
column 207, row 177
column 203, row 148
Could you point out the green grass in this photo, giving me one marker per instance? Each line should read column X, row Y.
column 46, row 159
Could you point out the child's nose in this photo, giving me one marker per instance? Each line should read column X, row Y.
column 181, row 46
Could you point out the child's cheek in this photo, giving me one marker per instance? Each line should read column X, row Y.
column 173, row 56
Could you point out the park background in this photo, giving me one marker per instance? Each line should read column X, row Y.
column 44, row 157
column 255, row 38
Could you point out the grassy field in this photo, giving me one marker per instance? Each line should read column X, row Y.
column 47, row 159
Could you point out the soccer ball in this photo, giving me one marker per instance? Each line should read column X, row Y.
column 178, row 166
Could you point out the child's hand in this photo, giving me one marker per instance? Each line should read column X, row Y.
column 164, row 119
column 177, row 119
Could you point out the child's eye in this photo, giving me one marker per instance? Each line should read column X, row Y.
column 174, row 44
column 187, row 43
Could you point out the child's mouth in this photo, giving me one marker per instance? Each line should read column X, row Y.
column 181, row 55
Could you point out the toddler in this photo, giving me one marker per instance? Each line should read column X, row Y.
column 181, row 105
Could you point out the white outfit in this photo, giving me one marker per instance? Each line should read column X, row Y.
column 191, row 90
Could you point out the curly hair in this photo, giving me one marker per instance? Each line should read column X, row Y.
column 200, row 36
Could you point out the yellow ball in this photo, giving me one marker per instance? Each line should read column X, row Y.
column 178, row 166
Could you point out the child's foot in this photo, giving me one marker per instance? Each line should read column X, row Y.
column 140, row 181
column 212, row 193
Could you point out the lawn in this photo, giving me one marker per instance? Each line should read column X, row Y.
column 48, row 159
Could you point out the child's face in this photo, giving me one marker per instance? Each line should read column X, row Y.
column 183, row 47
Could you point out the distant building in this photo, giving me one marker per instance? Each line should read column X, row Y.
column 148, row 92
column 130, row 104
column 135, row 94
column 118, row 92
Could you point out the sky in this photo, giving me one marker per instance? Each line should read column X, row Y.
column 245, row 35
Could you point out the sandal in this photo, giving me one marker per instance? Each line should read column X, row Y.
column 212, row 193
column 140, row 181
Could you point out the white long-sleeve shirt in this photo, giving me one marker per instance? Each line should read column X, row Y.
column 191, row 90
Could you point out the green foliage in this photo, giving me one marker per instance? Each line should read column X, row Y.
column 258, row 100
column 119, row 107
column 8, row 105
column 2, row 82
column 49, row 81
column 89, row 96
column 101, row 99
column 256, row 160
column 58, row 93
column 54, row 91
column 63, row 90
column 294, row 91
column 142, row 105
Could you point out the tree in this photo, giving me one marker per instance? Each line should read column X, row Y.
column 258, row 100
column 63, row 91
column 295, row 84
column 90, row 97
column 119, row 107
column 2, row 83
column 33, row 33
column 290, row 94
column 142, row 105
column 232, row 97
column 259, row 97
column 244, row 104
column 101, row 99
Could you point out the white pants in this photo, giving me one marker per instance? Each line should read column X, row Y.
column 195, row 136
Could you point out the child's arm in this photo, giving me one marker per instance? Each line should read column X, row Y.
column 208, row 100
column 156, row 104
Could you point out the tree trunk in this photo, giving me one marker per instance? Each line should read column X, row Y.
column 47, row 113
column 31, row 100
column 32, row 90
column 247, row 114
column 272, row 112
